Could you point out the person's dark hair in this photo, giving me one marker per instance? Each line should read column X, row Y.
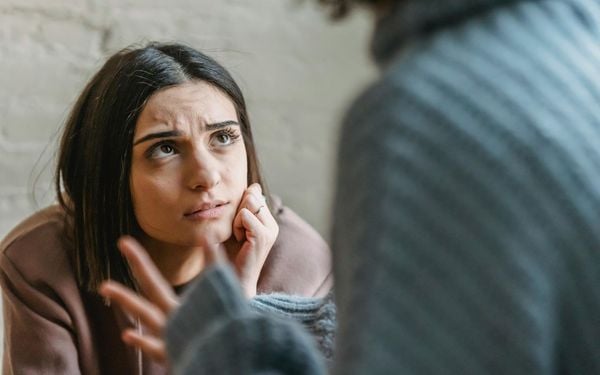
column 339, row 9
column 93, row 171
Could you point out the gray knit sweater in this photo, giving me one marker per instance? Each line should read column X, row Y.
column 216, row 331
column 467, row 221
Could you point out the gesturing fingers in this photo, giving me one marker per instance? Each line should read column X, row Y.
column 150, row 345
column 153, row 310
column 149, row 314
column 149, row 278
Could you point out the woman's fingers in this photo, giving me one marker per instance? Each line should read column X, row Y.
column 149, row 278
column 255, row 189
column 255, row 224
column 133, row 304
column 253, row 253
column 252, row 200
column 252, row 204
column 266, row 217
column 152, row 346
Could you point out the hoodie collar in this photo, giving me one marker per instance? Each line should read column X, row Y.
column 410, row 19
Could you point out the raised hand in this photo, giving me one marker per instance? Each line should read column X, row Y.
column 158, row 300
column 152, row 310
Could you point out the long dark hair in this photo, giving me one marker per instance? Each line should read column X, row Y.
column 92, row 175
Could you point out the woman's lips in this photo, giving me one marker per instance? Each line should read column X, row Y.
column 207, row 213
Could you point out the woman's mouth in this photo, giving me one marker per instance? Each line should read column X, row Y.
column 207, row 211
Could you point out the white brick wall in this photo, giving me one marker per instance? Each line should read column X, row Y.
column 298, row 72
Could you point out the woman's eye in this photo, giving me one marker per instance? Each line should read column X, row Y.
column 224, row 138
column 166, row 149
column 162, row 150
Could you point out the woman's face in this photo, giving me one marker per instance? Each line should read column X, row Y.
column 188, row 169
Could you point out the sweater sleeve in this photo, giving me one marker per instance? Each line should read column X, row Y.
column 317, row 315
column 37, row 329
column 215, row 331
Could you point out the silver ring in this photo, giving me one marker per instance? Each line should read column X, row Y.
column 260, row 208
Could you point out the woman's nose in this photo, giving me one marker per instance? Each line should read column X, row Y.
column 203, row 171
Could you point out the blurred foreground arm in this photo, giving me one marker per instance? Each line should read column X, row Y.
column 215, row 331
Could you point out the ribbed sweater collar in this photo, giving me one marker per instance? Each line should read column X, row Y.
column 412, row 18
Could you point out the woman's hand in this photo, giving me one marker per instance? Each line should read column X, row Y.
column 153, row 310
column 256, row 227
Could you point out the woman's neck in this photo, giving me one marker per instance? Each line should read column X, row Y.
column 177, row 264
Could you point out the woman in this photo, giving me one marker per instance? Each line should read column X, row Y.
column 158, row 146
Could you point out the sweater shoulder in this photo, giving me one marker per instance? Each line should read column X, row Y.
column 37, row 248
column 300, row 260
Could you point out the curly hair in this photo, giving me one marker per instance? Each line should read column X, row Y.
column 339, row 9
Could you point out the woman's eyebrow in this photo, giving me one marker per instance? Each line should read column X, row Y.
column 176, row 133
column 219, row 125
column 170, row 133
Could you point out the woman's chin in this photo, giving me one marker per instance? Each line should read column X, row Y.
column 217, row 236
